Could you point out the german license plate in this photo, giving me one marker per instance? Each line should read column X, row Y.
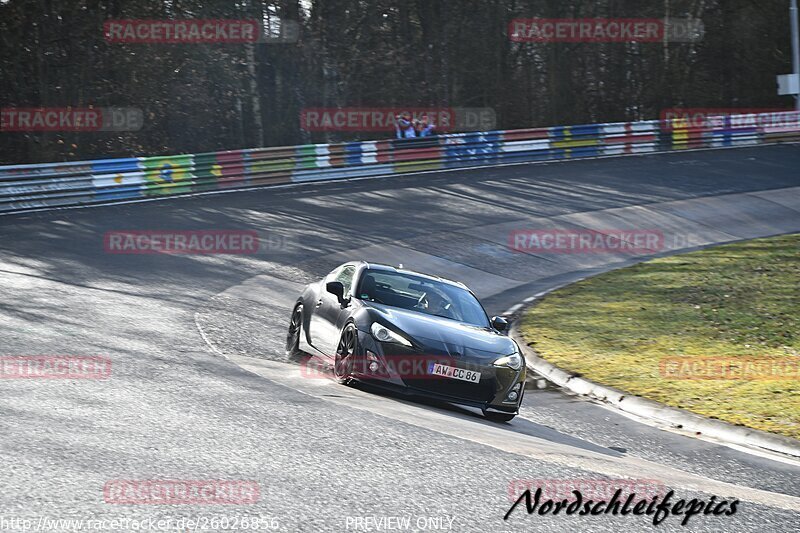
column 455, row 373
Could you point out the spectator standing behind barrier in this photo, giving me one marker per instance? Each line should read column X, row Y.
column 404, row 128
column 426, row 128
column 398, row 129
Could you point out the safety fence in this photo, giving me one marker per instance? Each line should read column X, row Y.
column 25, row 187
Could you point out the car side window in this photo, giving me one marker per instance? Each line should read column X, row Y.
column 345, row 277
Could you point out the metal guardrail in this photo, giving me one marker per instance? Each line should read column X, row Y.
column 26, row 187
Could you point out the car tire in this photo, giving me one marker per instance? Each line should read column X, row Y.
column 346, row 352
column 293, row 350
column 499, row 417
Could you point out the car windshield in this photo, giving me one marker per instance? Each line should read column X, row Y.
column 421, row 294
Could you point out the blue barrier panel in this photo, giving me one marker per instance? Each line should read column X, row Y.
column 586, row 141
column 352, row 153
column 117, row 179
column 728, row 134
column 479, row 148
column 558, row 135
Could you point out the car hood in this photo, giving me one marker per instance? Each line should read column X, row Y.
column 442, row 334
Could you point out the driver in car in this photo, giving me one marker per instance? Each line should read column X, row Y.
column 438, row 305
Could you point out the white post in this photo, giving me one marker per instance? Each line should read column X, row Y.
column 795, row 50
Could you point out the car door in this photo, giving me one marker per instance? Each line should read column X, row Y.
column 328, row 311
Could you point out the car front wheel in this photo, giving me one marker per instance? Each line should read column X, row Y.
column 295, row 330
column 345, row 354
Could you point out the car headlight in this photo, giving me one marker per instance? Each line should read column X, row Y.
column 513, row 361
column 384, row 334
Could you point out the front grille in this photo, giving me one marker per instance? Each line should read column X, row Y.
column 414, row 370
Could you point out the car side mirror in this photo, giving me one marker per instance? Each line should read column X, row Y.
column 336, row 288
column 499, row 323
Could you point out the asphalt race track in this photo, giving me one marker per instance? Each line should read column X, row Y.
column 201, row 389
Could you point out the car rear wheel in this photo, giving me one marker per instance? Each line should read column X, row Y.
column 295, row 330
column 345, row 354
column 499, row 417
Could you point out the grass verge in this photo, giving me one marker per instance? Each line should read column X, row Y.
column 642, row 329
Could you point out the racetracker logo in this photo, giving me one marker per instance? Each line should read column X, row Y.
column 181, row 242
column 54, row 367
column 200, row 31
column 383, row 119
column 14, row 119
column 403, row 367
column 604, row 30
column 170, row 491
column 718, row 117
column 567, row 241
column 731, row 368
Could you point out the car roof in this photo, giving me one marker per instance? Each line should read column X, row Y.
column 389, row 268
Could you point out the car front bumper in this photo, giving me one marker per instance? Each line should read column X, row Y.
column 410, row 369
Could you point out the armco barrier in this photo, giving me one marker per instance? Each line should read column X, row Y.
column 25, row 187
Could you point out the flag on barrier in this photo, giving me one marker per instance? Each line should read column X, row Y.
column 221, row 170
column 168, row 175
column 271, row 166
column 117, row 179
